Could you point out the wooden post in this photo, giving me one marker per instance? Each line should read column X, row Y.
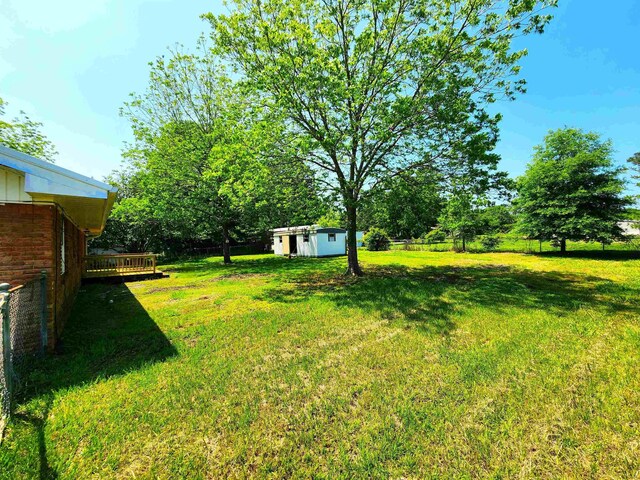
column 154, row 263
column 5, row 296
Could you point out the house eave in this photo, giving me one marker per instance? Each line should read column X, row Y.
column 87, row 202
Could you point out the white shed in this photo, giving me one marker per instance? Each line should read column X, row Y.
column 309, row 241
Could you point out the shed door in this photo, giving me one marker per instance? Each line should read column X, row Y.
column 286, row 250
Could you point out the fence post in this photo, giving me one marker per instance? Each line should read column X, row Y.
column 43, row 311
column 5, row 296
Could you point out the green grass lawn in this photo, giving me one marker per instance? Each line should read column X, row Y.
column 433, row 365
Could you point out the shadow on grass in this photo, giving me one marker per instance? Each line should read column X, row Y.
column 429, row 297
column 264, row 265
column 109, row 333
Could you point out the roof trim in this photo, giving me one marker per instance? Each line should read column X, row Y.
column 46, row 182
column 32, row 165
column 306, row 229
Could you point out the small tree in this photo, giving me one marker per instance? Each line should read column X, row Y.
column 490, row 242
column 571, row 190
column 460, row 219
column 377, row 239
column 434, row 236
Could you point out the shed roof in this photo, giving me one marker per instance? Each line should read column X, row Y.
column 87, row 202
column 306, row 229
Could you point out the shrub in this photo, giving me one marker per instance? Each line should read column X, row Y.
column 377, row 239
column 435, row 236
column 490, row 242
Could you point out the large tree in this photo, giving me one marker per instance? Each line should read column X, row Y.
column 24, row 134
column 376, row 88
column 204, row 145
column 198, row 138
column 571, row 190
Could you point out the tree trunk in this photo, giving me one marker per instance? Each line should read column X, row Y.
column 563, row 245
column 353, row 267
column 226, row 251
column 464, row 244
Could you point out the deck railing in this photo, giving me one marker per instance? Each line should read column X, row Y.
column 118, row 265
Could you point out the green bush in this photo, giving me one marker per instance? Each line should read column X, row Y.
column 490, row 242
column 435, row 236
column 377, row 239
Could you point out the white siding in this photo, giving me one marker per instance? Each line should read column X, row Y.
column 12, row 186
column 277, row 246
column 310, row 248
column 630, row 227
column 326, row 248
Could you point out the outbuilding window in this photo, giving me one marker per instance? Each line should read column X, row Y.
column 280, row 239
column 305, row 237
column 332, row 237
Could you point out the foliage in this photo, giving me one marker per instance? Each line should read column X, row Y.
column 406, row 206
column 460, row 218
column 495, row 219
column 370, row 90
column 571, row 190
column 632, row 214
column 436, row 235
column 490, row 242
column 634, row 160
column 203, row 157
column 23, row 134
column 333, row 218
column 376, row 239
column 134, row 224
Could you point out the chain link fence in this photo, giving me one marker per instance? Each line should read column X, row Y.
column 23, row 329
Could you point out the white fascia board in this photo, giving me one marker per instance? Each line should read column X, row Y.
column 46, row 178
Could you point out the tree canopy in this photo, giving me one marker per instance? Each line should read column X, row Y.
column 373, row 89
column 24, row 134
column 572, row 190
column 202, row 159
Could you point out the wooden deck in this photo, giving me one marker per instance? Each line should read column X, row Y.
column 122, row 265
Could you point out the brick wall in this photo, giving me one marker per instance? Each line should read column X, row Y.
column 68, row 284
column 30, row 241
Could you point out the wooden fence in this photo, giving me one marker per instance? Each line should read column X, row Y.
column 119, row 265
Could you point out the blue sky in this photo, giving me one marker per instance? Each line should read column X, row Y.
column 71, row 64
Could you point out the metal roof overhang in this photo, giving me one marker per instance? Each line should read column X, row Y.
column 87, row 202
column 306, row 229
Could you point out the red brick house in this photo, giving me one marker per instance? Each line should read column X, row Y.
column 47, row 213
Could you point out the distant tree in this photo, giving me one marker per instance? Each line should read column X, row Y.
column 571, row 190
column 372, row 90
column 405, row 206
column 634, row 160
column 333, row 218
column 460, row 218
column 23, row 134
column 376, row 240
column 133, row 223
column 496, row 219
